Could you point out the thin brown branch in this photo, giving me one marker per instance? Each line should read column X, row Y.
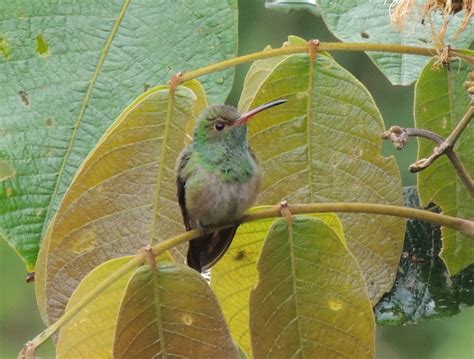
column 399, row 137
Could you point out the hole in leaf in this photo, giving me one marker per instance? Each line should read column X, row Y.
column 4, row 49
column 42, row 47
column 24, row 97
column 6, row 171
column 364, row 35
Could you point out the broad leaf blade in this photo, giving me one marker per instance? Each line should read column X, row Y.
column 369, row 21
column 325, row 146
column 235, row 274
column 424, row 289
column 91, row 332
column 122, row 198
column 311, row 299
column 440, row 103
column 68, row 69
column 171, row 312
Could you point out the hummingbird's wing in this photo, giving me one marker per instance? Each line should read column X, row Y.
column 181, row 185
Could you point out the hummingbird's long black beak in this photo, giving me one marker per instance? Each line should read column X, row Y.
column 245, row 118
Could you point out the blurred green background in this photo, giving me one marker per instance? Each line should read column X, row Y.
column 258, row 27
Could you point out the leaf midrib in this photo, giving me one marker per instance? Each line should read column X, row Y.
column 85, row 103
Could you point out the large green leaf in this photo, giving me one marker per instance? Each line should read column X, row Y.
column 122, row 197
column 423, row 289
column 440, row 103
column 69, row 68
column 369, row 21
column 324, row 145
column 235, row 274
column 169, row 312
column 311, row 298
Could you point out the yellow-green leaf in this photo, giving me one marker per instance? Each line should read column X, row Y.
column 325, row 146
column 440, row 103
column 91, row 332
column 171, row 312
column 311, row 299
column 235, row 274
column 122, row 198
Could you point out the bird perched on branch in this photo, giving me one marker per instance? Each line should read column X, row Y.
column 218, row 178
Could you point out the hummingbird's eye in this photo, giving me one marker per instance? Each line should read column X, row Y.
column 219, row 126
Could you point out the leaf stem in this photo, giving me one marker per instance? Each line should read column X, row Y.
column 463, row 225
column 323, row 46
column 460, row 127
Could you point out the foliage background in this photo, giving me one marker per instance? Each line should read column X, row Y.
column 448, row 338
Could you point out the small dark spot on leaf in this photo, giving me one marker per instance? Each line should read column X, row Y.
column 146, row 87
column 240, row 255
column 364, row 35
column 42, row 47
column 24, row 97
column 4, row 49
column 423, row 41
column 49, row 122
column 6, row 171
column 422, row 21
column 372, row 284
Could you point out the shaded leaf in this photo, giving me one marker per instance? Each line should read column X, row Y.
column 122, row 198
column 369, row 21
column 325, row 146
column 171, row 312
column 440, row 103
column 423, row 289
column 235, row 274
column 311, row 299
column 69, row 68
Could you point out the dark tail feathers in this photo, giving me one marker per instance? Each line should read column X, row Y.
column 206, row 251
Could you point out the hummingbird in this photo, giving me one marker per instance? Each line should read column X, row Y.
column 218, row 179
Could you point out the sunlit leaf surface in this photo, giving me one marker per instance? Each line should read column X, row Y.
column 91, row 332
column 311, row 299
column 324, row 145
column 235, row 274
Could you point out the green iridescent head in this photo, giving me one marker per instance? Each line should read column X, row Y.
column 224, row 124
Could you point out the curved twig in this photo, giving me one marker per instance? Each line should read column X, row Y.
column 463, row 225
